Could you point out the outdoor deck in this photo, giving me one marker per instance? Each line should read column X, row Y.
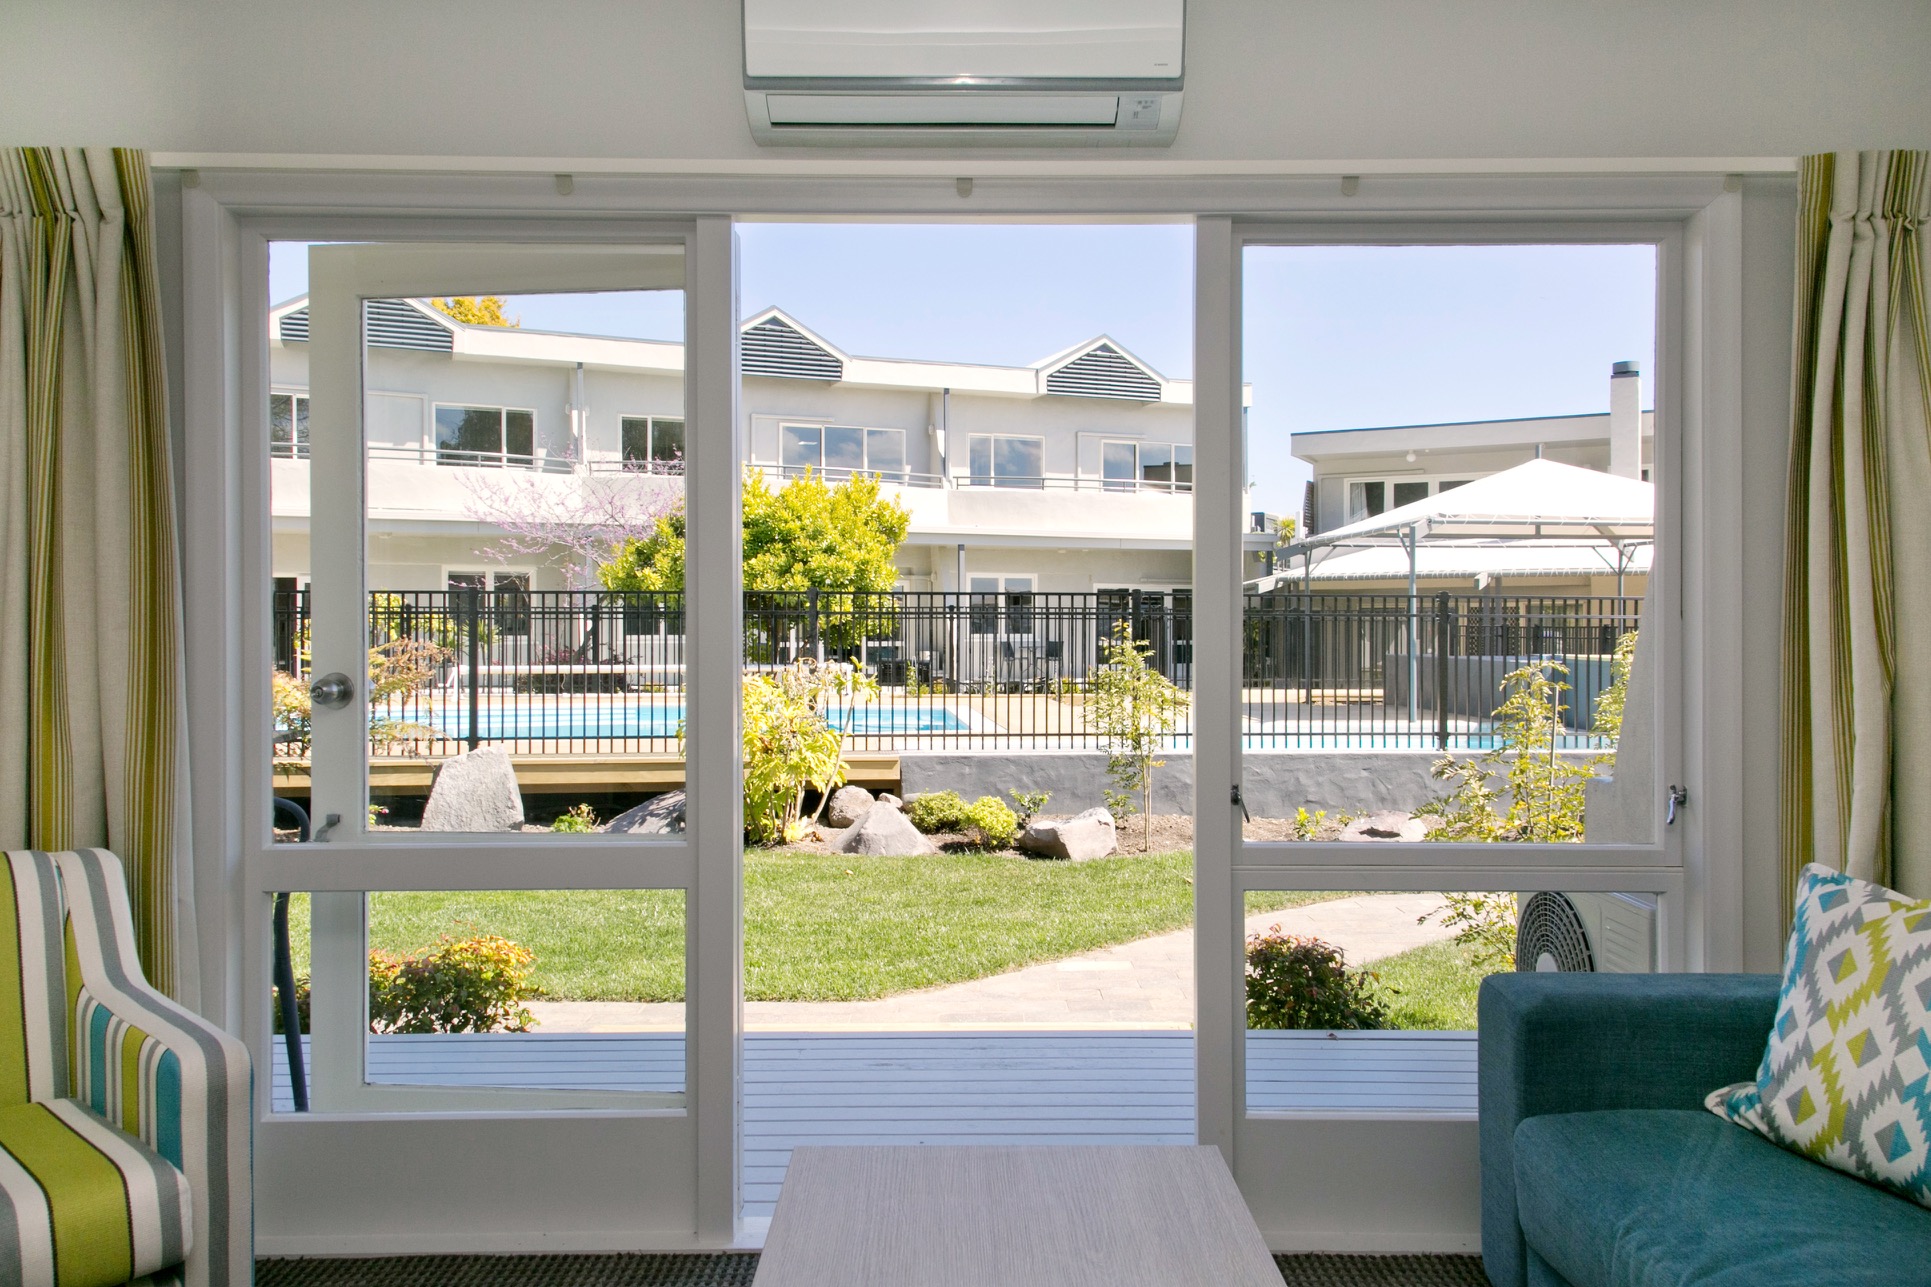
column 957, row 1088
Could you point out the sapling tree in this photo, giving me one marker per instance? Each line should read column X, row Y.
column 1133, row 708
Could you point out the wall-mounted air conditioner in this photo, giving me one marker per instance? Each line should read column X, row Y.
column 1604, row 933
column 912, row 73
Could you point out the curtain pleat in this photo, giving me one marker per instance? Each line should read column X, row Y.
column 92, row 725
column 1857, row 592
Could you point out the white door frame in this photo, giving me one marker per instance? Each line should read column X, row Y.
column 305, row 1178
column 1410, row 1181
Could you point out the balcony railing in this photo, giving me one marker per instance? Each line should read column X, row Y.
column 592, row 672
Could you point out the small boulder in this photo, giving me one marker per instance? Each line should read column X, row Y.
column 475, row 791
column 1075, row 839
column 848, row 805
column 661, row 815
column 1390, row 824
column 883, row 832
column 886, row 797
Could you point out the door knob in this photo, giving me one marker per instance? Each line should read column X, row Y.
column 331, row 691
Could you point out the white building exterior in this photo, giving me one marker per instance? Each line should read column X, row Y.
column 1073, row 474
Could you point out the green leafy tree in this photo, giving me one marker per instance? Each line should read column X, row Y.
column 476, row 310
column 1542, row 796
column 1133, row 708
column 806, row 535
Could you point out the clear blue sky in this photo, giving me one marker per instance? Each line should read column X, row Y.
column 1337, row 337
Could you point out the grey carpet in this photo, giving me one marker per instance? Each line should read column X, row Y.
column 737, row 1270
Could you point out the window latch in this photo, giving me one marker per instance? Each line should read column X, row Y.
column 1679, row 796
column 1234, row 798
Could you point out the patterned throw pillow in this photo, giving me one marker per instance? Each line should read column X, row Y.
column 1846, row 1079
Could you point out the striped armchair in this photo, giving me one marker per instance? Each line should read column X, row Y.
column 124, row 1119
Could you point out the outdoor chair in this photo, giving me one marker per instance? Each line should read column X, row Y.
column 124, row 1119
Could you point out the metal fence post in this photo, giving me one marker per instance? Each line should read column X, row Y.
column 472, row 609
column 1443, row 630
column 814, row 640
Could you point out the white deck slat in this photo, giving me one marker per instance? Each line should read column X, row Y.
column 954, row 1088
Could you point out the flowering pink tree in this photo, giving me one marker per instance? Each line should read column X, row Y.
column 575, row 522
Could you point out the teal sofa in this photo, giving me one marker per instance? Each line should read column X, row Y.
column 1602, row 1168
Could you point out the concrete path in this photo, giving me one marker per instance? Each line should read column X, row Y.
column 1141, row 985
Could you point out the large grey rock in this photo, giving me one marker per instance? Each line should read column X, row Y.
column 884, row 832
column 848, row 805
column 1388, row 825
column 661, row 815
column 1078, row 838
column 475, row 791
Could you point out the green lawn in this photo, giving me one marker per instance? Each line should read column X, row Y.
column 1434, row 987
column 818, row 927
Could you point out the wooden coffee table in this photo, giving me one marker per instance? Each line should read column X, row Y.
column 972, row 1216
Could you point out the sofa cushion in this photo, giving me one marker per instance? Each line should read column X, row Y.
column 1846, row 1076
column 83, row 1204
column 1648, row 1196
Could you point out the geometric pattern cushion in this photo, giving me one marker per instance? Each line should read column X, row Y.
column 83, row 1204
column 1846, row 1077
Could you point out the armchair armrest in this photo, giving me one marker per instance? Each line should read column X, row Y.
column 1570, row 1043
column 158, row 1071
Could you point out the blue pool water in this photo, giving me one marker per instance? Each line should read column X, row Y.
column 617, row 718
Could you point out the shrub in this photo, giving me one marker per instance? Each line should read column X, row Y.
column 301, row 1006
column 1295, row 982
column 1027, row 804
column 580, row 818
column 791, row 747
column 1133, row 707
column 1484, row 924
column 459, row 985
column 1544, row 797
column 993, row 823
column 937, row 811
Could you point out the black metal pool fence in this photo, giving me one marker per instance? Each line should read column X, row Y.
column 600, row 672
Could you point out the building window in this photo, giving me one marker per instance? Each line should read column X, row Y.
column 653, row 445
column 501, row 437
column 288, row 425
column 1146, row 466
column 1001, row 605
column 1002, row 460
column 840, row 451
column 1370, row 497
column 504, row 598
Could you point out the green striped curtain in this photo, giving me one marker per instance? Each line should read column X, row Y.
column 1857, row 591
column 92, row 727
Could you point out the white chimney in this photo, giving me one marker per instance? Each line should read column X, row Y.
column 1626, row 420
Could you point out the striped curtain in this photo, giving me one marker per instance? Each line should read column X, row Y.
column 92, row 727
column 1857, row 591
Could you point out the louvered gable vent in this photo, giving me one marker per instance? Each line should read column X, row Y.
column 1104, row 372
column 773, row 348
column 389, row 324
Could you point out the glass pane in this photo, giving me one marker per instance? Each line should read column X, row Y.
column 985, row 605
column 1475, row 671
column 844, row 451
column 1018, row 462
column 1117, row 466
column 979, row 452
column 667, row 442
column 512, row 603
column 1019, row 613
column 885, row 454
column 635, row 438
column 519, row 437
column 469, row 435
column 1183, row 467
column 515, row 989
column 1156, row 463
column 1366, row 1002
column 281, row 424
column 802, row 447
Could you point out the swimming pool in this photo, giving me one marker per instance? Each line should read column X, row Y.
column 620, row 718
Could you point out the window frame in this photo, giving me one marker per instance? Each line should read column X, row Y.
column 650, row 462
column 1027, row 482
column 841, row 474
column 298, row 423
column 504, row 458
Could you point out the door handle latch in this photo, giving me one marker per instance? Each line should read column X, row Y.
column 332, row 690
column 1679, row 796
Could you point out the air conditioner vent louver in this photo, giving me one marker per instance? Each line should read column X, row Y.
column 1549, row 936
column 1104, row 373
column 773, row 348
column 388, row 324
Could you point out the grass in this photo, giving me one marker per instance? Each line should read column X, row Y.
column 817, row 927
column 1434, row 986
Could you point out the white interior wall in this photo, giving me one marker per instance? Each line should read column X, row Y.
column 1266, row 81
